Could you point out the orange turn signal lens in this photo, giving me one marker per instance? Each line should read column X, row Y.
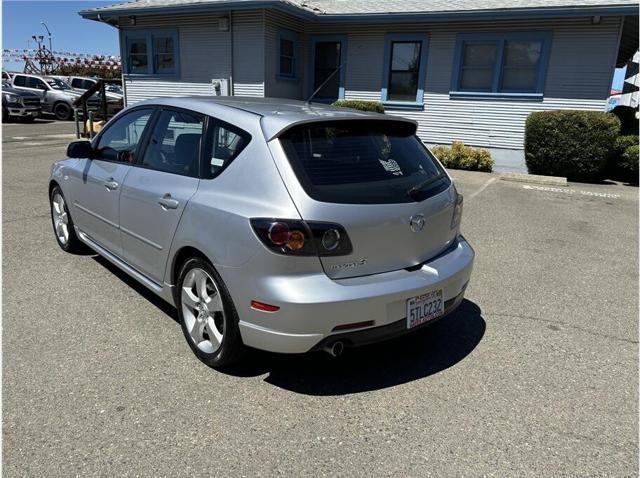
column 296, row 240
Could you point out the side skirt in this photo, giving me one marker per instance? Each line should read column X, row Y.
column 163, row 290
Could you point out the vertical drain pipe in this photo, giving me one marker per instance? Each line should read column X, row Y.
column 231, row 92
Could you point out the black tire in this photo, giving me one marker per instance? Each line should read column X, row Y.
column 73, row 245
column 231, row 348
column 62, row 112
column 5, row 116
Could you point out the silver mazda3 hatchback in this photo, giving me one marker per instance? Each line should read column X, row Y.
column 274, row 224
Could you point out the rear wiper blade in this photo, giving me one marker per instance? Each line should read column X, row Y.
column 423, row 184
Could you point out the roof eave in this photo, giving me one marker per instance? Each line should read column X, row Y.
column 235, row 5
column 470, row 15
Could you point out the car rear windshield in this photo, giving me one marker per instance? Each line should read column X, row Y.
column 363, row 162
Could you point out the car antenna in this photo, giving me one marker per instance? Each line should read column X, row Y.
column 324, row 83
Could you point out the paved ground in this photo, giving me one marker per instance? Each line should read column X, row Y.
column 536, row 375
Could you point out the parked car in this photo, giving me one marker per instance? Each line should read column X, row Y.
column 57, row 96
column 114, row 92
column 19, row 104
column 273, row 224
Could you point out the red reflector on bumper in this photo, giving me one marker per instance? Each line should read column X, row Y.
column 264, row 307
column 354, row 325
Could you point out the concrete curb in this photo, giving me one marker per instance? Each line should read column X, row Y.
column 533, row 178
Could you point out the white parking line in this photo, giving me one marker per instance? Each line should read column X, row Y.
column 482, row 188
column 571, row 191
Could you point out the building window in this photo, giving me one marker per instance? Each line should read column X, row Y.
column 151, row 52
column 287, row 54
column 137, row 55
column 501, row 63
column 405, row 63
column 164, row 54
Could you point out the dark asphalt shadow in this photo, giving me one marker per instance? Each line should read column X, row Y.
column 161, row 304
column 418, row 355
column 414, row 356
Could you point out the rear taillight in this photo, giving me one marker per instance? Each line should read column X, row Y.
column 457, row 211
column 302, row 238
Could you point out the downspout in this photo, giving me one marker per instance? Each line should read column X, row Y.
column 231, row 38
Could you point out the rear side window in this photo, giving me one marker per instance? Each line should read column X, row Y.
column 363, row 162
column 174, row 145
column 35, row 83
column 224, row 143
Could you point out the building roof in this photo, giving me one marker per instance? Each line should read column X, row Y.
column 354, row 9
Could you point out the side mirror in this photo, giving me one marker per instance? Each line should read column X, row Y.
column 80, row 149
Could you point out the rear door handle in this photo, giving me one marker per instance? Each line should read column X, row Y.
column 167, row 202
column 111, row 185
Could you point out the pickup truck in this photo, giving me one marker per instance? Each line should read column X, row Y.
column 56, row 95
column 19, row 104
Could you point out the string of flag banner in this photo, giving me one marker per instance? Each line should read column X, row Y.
column 62, row 58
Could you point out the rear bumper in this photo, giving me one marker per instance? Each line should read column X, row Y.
column 385, row 332
column 311, row 306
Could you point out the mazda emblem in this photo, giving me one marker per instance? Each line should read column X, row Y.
column 416, row 222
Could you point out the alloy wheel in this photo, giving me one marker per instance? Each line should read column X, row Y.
column 202, row 310
column 60, row 218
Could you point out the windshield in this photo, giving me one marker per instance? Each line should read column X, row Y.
column 57, row 84
column 363, row 162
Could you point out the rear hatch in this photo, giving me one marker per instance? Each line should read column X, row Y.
column 377, row 180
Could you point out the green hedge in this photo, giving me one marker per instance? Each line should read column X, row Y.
column 574, row 144
column 459, row 156
column 374, row 106
column 623, row 142
column 629, row 162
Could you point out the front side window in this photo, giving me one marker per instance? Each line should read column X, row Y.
column 501, row 63
column 152, row 52
column 20, row 80
column 287, row 54
column 362, row 162
column 120, row 140
column 174, row 144
column 35, row 83
column 405, row 66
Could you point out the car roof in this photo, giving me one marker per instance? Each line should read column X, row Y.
column 276, row 114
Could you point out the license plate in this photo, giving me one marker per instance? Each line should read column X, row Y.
column 424, row 308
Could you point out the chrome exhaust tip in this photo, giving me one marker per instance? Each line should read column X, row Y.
column 335, row 349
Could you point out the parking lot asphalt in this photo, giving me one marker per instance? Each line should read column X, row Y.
column 535, row 375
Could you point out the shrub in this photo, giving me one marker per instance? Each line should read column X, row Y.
column 574, row 144
column 623, row 142
column 616, row 168
column 629, row 162
column 459, row 156
column 361, row 105
column 627, row 117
